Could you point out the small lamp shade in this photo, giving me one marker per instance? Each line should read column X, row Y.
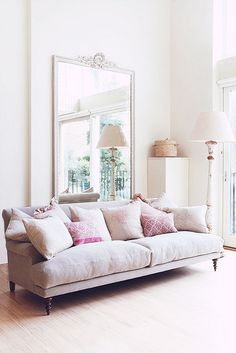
column 112, row 136
column 212, row 126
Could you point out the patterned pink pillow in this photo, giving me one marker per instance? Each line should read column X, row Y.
column 160, row 224
column 87, row 240
column 83, row 232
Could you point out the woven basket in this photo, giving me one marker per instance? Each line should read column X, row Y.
column 165, row 148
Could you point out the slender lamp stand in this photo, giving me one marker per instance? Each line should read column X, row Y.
column 210, row 145
column 211, row 128
column 113, row 164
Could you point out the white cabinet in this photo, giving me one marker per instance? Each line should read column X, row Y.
column 170, row 175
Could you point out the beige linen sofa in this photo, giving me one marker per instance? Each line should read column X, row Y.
column 97, row 264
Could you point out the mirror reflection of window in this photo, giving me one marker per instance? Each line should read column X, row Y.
column 75, row 83
column 87, row 100
column 75, row 153
column 83, row 163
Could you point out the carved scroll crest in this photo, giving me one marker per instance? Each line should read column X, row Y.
column 98, row 61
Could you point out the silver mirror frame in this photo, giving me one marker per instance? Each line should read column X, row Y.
column 98, row 61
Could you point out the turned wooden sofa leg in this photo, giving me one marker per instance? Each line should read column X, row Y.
column 215, row 264
column 48, row 305
column 12, row 286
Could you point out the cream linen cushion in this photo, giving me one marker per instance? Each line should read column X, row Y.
column 124, row 222
column 190, row 218
column 93, row 215
column 49, row 235
column 177, row 246
column 16, row 229
column 81, row 263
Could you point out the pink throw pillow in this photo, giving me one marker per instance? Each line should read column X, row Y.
column 87, row 240
column 160, row 224
column 83, row 232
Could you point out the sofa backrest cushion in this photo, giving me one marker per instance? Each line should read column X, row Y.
column 54, row 210
column 6, row 213
column 16, row 229
column 147, row 209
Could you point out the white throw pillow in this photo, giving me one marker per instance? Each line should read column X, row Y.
column 95, row 216
column 192, row 219
column 147, row 208
column 124, row 222
column 16, row 229
column 162, row 202
column 48, row 235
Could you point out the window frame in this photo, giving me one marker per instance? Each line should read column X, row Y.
column 225, row 86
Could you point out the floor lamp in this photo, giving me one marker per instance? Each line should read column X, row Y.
column 112, row 138
column 211, row 128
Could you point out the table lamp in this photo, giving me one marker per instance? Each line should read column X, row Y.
column 112, row 138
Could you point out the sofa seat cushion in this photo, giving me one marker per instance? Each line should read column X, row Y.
column 88, row 261
column 176, row 246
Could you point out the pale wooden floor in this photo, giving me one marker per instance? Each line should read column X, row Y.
column 189, row 310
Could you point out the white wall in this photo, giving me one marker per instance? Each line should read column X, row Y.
column 191, row 83
column 14, row 109
column 134, row 34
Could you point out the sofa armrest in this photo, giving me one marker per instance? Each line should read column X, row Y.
column 24, row 249
column 21, row 258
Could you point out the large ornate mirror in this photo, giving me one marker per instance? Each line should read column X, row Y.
column 90, row 94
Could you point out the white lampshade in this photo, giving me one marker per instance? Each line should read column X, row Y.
column 112, row 136
column 212, row 126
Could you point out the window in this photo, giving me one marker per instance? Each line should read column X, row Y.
column 225, row 59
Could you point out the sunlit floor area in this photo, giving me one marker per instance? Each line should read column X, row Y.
column 188, row 310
